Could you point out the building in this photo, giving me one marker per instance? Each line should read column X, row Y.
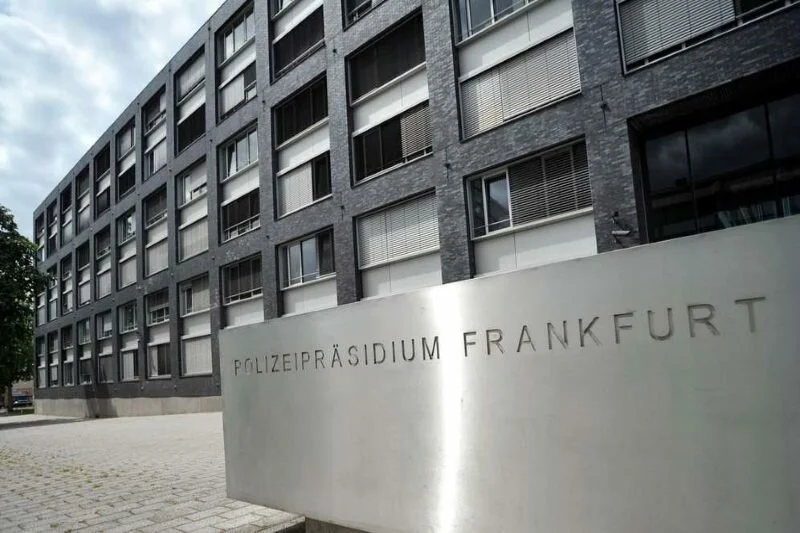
column 296, row 155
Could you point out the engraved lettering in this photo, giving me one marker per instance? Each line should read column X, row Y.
column 498, row 333
column 237, row 364
column 751, row 311
column 551, row 332
column 694, row 319
column 319, row 358
column 662, row 336
column 618, row 326
column 248, row 366
column 375, row 347
column 258, row 368
column 467, row 343
column 394, row 356
column 525, row 338
column 428, row 352
column 295, row 361
column 353, row 359
column 287, row 363
column 366, row 357
column 584, row 331
column 403, row 350
column 336, row 357
column 274, row 363
column 305, row 357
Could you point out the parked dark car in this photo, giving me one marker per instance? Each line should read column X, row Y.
column 23, row 401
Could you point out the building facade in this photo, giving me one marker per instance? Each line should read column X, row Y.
column 302, row 154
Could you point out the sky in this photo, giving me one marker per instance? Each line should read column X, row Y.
column 68, row 68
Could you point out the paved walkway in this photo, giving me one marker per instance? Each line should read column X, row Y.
column 163, row 473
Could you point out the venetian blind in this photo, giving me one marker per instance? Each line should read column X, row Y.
column 552, row 184
column 407, row 228
column 541, row 75
column 650, row 26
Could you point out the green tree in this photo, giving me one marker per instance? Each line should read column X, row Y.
column 20, row 281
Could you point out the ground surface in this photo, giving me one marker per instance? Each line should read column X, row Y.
column 163, row 473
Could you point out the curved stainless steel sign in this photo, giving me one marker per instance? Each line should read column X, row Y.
column 655, row 389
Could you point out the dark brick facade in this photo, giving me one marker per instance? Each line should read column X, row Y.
column 605, row 114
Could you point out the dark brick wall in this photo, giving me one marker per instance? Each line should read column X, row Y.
column 601, row 114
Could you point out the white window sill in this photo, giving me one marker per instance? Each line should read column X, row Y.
column 196, row 313
column 315, row 202
column 191, row 223
column 120, row 157
column 535, row 224
column 405, row 257
column 392, row 169
column 297, row 136
column 160, row 240
column 249, row 298
column 186, row 258
column 239, row 172
column 196, row 336
column 238, row 52
column 321, row 279
column 160, row 378
column 388, row 85
column 193, row 200
column 198, row 375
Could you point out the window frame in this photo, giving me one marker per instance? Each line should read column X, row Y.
column 126, row 326
column 313, row 277
column 160, row 311
column 255, row 292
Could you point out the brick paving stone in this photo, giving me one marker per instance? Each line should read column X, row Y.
column 149, row 474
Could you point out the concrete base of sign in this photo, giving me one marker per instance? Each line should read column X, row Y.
column 109, row 407
column 315, row 526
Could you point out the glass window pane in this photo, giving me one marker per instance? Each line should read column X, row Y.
column 371, row 152
column 295, row 264
column 309, row 259
column 253, row 141
column 251, row 26
column 241, row 153
column 391, row 143
column 325, row 243
column 502, row 8
column 480, row 14
column 670, row 194
column 784, row 118
column 239, row 35
column 321, row 177
column 497, row 198
column 478, row 220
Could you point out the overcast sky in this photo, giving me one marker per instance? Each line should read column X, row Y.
column 67, row 69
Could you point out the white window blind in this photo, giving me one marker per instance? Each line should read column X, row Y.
column 541, row 75
column 128, row 365
column 650, row 26
column 157, row 257
column 295, row 189
column 193, row 239
column 104, row 284
column 193, row 184
column 232, row 94
column 415, row 131
column 195, row 295
column 127, row 272
column 555, row 183
column 196, row 356
column 408, row 228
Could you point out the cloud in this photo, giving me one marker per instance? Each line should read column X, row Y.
column 69, row 69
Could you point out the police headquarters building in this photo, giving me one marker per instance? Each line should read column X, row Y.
column 305, row 154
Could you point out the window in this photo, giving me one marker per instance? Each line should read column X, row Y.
column 85, row 352
column 126, row 183
column 129, row 365
column 190, row 102
column 551, row 184
column 52, row 348
column 403, row 230
column 126, row 227
column 52, row 228
column 302, row 111
column 157, row 307
column 237, row 33
column 84, row 275
column 238, row 154
column 105, row 326
column 67, row 301
column 302, row 186
column 126, row 160
column 158, row 360
column 41, row 309
column 67, row 229
column 355, row 9
column 105, row 373
column 84, row 199
column 475, row 15
column 67, row 357
column 127, row 317
column 307, row 260
column 195, row 295
column 289, row 48
column 155, row 133
column 242, row 280
column 126, row 140
column 389, row 57
column 40, row 238
column 652, row 29
column 102, row 248
column 737, row 169
column 52, row 294
column 399, row 140
column 155, row 207
column 41, row 363
column 533, row 79
column 241, row 216
column 192, row 184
